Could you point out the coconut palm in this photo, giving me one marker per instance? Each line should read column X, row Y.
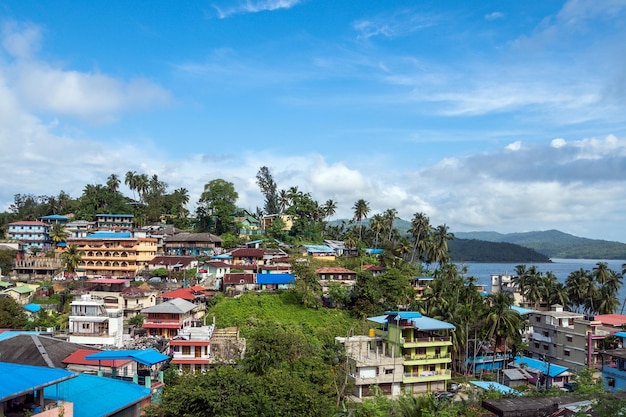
column 578, row 284
column 131, row 181
column 606, row 301
column 71, row 258
column 502, row 321
column 58, row 233
column 420, row 225
column 361, row 210
column 390, row 217
column 601, row 273
column 283, row 200
column 377, row 225
column 330, row 207
column 113, row 182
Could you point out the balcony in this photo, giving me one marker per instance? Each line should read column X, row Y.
column 426, row 376
column 431, row 341
column 427, row 359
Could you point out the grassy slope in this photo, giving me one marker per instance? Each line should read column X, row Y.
column 244, row 311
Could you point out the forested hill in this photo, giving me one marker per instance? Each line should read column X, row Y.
column 555, row 244
column 472, row 250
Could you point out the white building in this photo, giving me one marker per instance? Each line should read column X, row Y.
column 93, row 325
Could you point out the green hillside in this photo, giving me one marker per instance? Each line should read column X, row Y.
column 555, row 244
column 472, row 250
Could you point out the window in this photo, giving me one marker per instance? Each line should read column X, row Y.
column 545, row 333
column 186, row 350
column 569, row 338
column 566, row 352
column 537, row 319
column 545, row 347
column 388, row 371
column 610, row 382
column 536, row 345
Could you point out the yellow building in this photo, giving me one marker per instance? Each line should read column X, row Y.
column 115, row 254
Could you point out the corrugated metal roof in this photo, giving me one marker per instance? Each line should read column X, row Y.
column 419, row 322
column 546, row 367
column 487, row 385
column 176, row 306
column 21, row 379
column 275, row 279
column 108, row 235
column 96, row 395
column 521, row 310
column 33, row 308
column 146, row 357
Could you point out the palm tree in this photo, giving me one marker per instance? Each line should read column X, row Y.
column 142, row 185
column 502, row 321
column 131, row 181
column 439, row 248
column 601, row 273
column 377, row 225
column 361, row 210
column 71, row 258
column 577, row 285
column 58, row 233
column 420, row 225
column 390, row 216
column 113, row 182
column 283, row 200
column 607, row 301
column 330, row 207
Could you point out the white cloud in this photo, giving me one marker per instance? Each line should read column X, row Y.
column 558, row 143
column 515, row 146
column 494, row 16
column 399, row 23
column 250, row 6
column 91, row 96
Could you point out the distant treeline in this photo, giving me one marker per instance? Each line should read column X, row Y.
column 472, row 250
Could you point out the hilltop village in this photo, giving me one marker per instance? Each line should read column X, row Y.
column 154, row 311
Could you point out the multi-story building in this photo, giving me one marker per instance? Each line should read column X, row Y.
column 32, row 234
column 552, row 333
column 115, row 221
column 120, row 295
column 408, row 353
column 167, row 319
column 91, row 323
column 79, row 228
column 191, row 348
column 116, row 254
column 192, row 244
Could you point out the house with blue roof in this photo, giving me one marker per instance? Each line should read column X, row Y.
column 613, row 365
column 543, row 372
column 115, row 221
column 404, row 353
column 275, row 281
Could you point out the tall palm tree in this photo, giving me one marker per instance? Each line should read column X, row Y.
column 361, row 210
column 601, row 273
column 439, row 249
column 420, row 225
column 377, row 225
column 390, row 217
column 71, row 258
column 577, row 285
column 283, row 200
column 502, row 321
column 130, row 179
column 58, row 233
column 113, row 182
column 142, row 185
column 330, row 207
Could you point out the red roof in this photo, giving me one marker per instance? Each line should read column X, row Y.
column 219, row 264
column 184, row 293
column 373, row 268
column 78, row 358
column 189, row 343
column 611, row 319
column 247, row 253
column 172, row 260
column 28, row 223
column 238, row 278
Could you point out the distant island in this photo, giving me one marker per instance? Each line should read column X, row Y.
column 473, row 250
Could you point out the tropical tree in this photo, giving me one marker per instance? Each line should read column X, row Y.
column 216, row 206
column 420, row 226
column 71, row 258
column 579, row 285
column 390, row 217
column 502, row 321
column 58, row 233
column 330, row 207
column 131, row 181
column 361, row 210
column 113, row 182
column 283, row 200
column 266, row 183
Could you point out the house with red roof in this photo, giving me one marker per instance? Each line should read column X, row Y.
column 239, row 282
column 32, row 234
column 247, row 256
column 167, row 319
column 210, row 274
column 374, row 269
column 196, row 294
column 191, row 348
column 121, row 368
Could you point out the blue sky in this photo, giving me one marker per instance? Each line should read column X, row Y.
column 491, row 115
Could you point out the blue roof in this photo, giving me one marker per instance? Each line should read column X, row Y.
column 419, row 321
column 265, row 279
column 503, row 389
column 521, row 310
column 97, row 395
column 373, row 251
column 319, row 248
column 254, row 242
column 146, row 357
column 550, row 369
column 33, row 308
column 620, row 334
column 21, row 379
column 222, row 257
column 55, row 217
column 109, row 235
column 9, row 334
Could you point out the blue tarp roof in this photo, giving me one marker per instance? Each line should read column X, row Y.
column 55, row 217
column 267, row 279
column 96, row 395
column 109, row 235
column 373, row 251
column 318, row 248
column 419, row 321
column 521, row 310
column 222, row 257
column 254, row 242
column 33, row 308
column 548, row 368
column 620, row 334
column 21, row 379
column 10, row 334
column 487, row 385
column 146, row 357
